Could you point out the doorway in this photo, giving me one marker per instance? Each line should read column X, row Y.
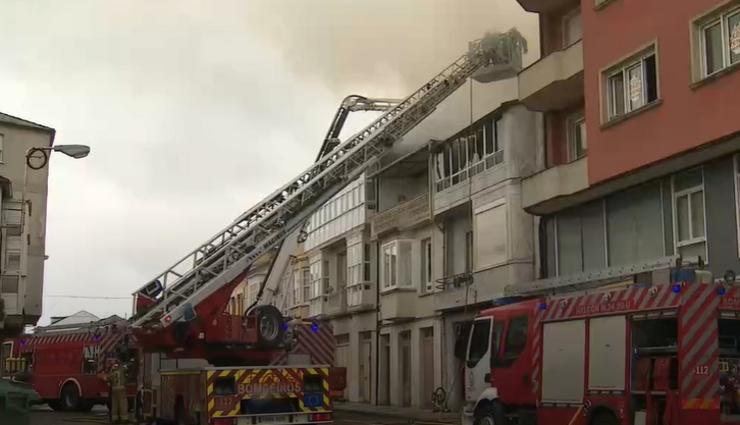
column 365, row 366
column 404, row 339
column 384, row 395
column 427, row 366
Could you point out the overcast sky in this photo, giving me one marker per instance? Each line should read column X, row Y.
column 196, row 109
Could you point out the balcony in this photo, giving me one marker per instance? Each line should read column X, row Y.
column 360, row 297
column 555, row 81
column 540, row 6
column 336, row 302
column 402, row 216
column 543, row 192
column 398, row 304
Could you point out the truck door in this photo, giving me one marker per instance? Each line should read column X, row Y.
column 511, row 368
column 483, row 340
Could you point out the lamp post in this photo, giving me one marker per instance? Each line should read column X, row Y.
column 37, row 158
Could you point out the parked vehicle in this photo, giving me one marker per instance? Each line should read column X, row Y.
column 66, row 365
column 663, row 354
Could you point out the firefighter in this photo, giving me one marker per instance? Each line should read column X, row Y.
column 119, row 404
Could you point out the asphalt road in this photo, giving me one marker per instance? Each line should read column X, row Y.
column 45, row 416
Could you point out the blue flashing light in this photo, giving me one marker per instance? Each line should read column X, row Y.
column 284, row 326
column 543, row 306
column 721, row 291
column 314, row 327
column 676, row 288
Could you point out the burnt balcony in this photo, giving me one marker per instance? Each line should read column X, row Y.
column 403, row 216
column 555, row 81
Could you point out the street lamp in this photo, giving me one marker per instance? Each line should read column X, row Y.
column 38, row 157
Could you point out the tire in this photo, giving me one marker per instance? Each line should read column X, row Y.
column 269, row 326
column 70, row 398
column 490, row 414
column 604, row 417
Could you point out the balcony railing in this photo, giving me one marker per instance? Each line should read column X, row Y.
column 402, row 215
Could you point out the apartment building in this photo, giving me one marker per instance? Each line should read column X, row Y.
column 650, row 169
column 22, row 228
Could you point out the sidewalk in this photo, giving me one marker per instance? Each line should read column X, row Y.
column 410, row 414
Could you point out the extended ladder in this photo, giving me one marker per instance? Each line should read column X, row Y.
column 226, row 255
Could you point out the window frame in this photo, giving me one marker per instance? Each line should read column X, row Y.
column 572, row 123
column 723, row 16
column 622, row 68
column 427, row 282
column 397, row 283
column 675, row 195
column 2, row 148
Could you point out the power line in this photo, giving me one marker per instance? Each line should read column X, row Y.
column 86, row 297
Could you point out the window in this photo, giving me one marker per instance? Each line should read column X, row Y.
column 306, row 282
column 516, row 340
column 632, row 85
column 490, row 221
column 576, row 137
column 297, row 288
column 479, row 341
column 426, row 266
column 720, row 41
column 469, row 251
column 688, row 205
column 316, row 280
column 572, row 29
column 396, row 265
column 498, row 333
column 355, row 266
column 464, row 156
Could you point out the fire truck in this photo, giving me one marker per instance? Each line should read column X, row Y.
column 249, row 375
column 66, row 364
column 637, row 352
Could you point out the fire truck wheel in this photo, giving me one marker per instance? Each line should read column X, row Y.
column 604, row 417
column 270, row 325
column 70, row 397
column 490, row 414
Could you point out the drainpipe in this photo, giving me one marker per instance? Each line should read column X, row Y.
column 377, row 324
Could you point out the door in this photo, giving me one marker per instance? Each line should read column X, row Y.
column 385, row 370
column 365, row 366
column 478, row 359
column 427, row 362
column 405, row 360
column 343, row 353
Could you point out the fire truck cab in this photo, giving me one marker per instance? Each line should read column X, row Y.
column 666, row 354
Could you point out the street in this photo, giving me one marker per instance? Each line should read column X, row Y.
column 42, row 415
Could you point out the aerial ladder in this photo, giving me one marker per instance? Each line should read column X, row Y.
column 185, row 299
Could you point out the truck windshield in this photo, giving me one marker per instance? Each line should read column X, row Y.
column 479, row 341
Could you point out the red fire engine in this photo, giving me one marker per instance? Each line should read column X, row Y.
column 65, row 364
column 663, row 354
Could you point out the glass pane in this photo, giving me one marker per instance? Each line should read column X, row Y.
column 516, row 337
column 713, row 48
column 651, row 78
column 636, row 89
column 489, row 137
column 733, row 27
column 697, row 214
column 479, row 340
column 499, row 135
column 616, row 94
column 682, row 218
column 688, row 179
